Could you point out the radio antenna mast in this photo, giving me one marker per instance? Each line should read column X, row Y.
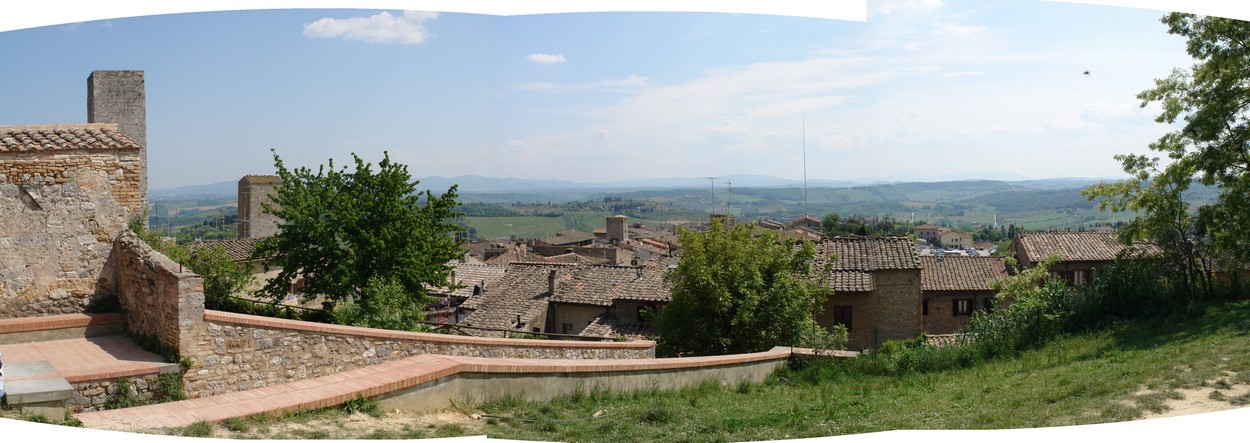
column 805, row 166
column 713, row 194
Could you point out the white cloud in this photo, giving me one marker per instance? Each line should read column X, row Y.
column 957, row 30
column 380, row 28
column 546, row 59
column 1107, row 111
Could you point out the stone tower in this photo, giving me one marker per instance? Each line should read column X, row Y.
column 253, row 221
column 618, row 231
column 119, row 97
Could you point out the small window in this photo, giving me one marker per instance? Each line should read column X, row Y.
column 926, row 307
column 961, row 306
column 842, row 315
column 988, row 305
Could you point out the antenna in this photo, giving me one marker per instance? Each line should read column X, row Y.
column 713, row 187
column 729, row 186
column 805, row 166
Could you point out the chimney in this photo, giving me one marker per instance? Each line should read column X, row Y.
column 551, row 283
column 119, row 97
column 453, row 278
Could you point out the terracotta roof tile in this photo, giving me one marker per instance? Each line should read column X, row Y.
column 608, row 325
column 93, row 136
column 484, row 276
column 956, row 273
column 521, row 292
column 568, row 237
column 1073, row 246
column 850, row 281
column 239, row 250
column 859, row 253
column 601, row 285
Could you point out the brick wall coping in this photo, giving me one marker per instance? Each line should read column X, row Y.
column 549, row 366
column 65, row 321
column 296, row 325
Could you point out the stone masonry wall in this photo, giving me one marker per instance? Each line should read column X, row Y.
column 898, row 305
column 240, row 352
column 58, row 214
column 92, row 395
column 158, row 297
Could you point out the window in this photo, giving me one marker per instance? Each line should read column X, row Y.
column 961, row 306
column 926, row 307
column 988, row 305
column 842, row 315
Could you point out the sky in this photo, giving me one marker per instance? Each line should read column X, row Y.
column 922, row 89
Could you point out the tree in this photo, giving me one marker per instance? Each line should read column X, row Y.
column 830, row 224
column 738, row 289
column 1212, row 147
column 346, row 232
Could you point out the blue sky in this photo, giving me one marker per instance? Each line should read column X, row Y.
column 922, row 89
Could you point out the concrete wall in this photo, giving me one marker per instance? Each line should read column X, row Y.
column 58, row 214
column 483, row 382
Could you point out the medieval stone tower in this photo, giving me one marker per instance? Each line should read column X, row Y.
column 618, row 230
column 253, row 221
column 119, row 97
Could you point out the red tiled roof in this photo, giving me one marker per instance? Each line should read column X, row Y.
column 239, row 250
column 859, row 253
column 484, row 276
column 521, row 292
column 93, row 136
column 1073, row 246
column 608, row 325
column 960, row 273
column 851, row 281
column 601, row 285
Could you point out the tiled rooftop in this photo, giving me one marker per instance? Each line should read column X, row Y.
column 850, row 281
column 609, row 325
column 521, row 292
column 568, row 237
column 1073, row 246
column 601, row 285
column 858, row 253
column 957, row 273
column 94, row 136
column 485, row 276
column 239, row 250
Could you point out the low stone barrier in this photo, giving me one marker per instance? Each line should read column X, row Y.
column 237, row 352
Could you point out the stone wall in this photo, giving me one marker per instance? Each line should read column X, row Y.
column 93, row 395
column 238, row 352
column 254, row 222
column 158, row 297
column 941, row 318
column 898, row 305
column 58, row 214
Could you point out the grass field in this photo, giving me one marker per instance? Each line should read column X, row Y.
column 1124, row 372
column 521, row 227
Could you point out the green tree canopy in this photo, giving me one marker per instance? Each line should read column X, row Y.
column 738, row 289
column 344, row 231
column 1212, row 101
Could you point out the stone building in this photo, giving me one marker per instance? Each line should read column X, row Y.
column 1081, row 254
column 607, row 300
column 954, row 287
column 876, row 284
column 66, row 192
column 254, row 222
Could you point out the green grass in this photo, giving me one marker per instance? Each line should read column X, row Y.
column 521, row 227
column 1083, row 379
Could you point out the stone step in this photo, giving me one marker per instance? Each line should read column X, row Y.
column 27, row 386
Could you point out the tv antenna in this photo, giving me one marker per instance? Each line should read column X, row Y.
column 713, row 193
column 804, row 122
column 729, row 186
